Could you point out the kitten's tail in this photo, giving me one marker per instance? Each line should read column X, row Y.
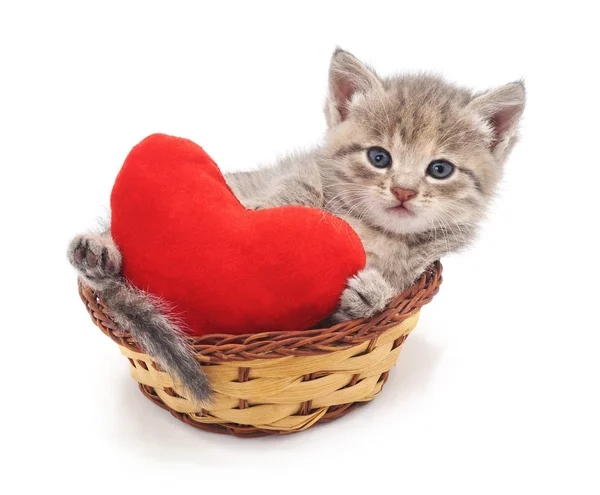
column 98, row 262
column 142, row 316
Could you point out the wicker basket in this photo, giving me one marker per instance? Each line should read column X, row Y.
column 280, row 382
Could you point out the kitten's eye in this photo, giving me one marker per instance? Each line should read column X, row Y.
column 440, row 169
column 379, row 157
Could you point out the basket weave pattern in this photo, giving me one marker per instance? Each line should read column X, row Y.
column 280, row 382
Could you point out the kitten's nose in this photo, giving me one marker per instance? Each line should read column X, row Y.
column 403, row 194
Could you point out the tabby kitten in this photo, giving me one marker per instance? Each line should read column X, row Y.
column 410, row 162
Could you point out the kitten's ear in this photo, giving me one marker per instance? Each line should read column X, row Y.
column 501, row 110
column 347, row 77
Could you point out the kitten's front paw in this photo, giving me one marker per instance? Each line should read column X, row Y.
column 366, row 294
column 96, row 258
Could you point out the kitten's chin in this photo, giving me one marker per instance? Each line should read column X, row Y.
column 400, row 220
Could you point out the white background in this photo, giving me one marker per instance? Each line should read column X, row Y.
column 496, row 392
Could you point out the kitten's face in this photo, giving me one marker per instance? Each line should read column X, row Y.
column 413, row 130
column 414, row 154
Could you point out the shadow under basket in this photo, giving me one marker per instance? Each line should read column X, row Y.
column 280, row 382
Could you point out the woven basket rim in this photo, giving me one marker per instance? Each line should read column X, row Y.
column 219, row 348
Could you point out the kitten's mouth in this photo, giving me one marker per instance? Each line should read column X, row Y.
column 401, row 210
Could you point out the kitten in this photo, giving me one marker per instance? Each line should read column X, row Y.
column 410, row 162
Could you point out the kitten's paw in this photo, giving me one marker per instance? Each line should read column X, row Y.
column 366, row 294
column 96, row 259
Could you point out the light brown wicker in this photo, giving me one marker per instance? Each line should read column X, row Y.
column 280, row 382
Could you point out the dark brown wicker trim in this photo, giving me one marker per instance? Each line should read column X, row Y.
column 219, row 348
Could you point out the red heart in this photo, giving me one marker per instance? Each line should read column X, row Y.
column 185, row 238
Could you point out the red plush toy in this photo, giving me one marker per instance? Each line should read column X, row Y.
column 224, row 269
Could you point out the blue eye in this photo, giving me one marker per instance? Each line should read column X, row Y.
column 379, row 157
column 440, row 169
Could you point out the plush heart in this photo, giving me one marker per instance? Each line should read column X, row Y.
column 224, row 269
